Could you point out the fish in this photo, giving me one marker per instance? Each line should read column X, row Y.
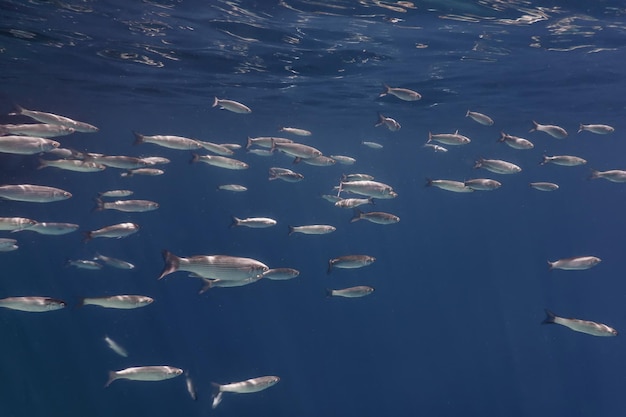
column 261, row 152
column 144, row 373
column 116, row 231
column 232, row 187
column 231, row 105
column 544, row 186
column 356, row 177
column 221, row 283
column 575, row 264
column 40, row 130
column 215, row 148
column 372, row 145
column 248, row 386
column 219, row 161
column 497, row 166
column 482, row 184
column 191, row 389
column 352, row 292
column 26, row 145
column 281, row 274
column 116, row 193
column 75, row 165
column 483, row 119
column 127, row 206
column 563, row 160
column 8, row 245
column 15, row 224
column 597, row 129
column 320, row 161
column 295, row 131
column 284, row 174
column 55, row 119
column 122, row 302
column 449, row 185
column 152, row 172
column 32, row 304
column 614, row 175
column 350, row 262
column 582, row 326
column 552, row 130
column 515, row 142
column 84, row 264
column 368, row 188
column 155, row 160
column 296, row 149
column 33, row 193
column 377, row 217
column 401, row 93
column 448, row 138
column 435, row 147
column 253, row 222
column 332, row 198
column 388, row 122
column 113, row 262
column 313, row 229
column 168, row 141
column 115, row 347
column 266, row 141
column 353, row 202
column 53, row 228
column 213, row 266
column 118, row 161
column 231, row 146
column 344, row 160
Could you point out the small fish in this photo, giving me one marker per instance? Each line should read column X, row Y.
column 497, row 166
column 515, row 142
column 8, row 245
column 191, row 389
column 401, row 93
column 552, row 130
column 313, row 229
column 344, row 160
column 614, row 175
column 155, row 160
column 231, row 105
column 84, row 264
column 26, row 145
column 152, row 172
column 266, row 141
column 284, row 174
column 53, row 228
column 449, row 185
column 232, row 187
column 113, row 262
column 448, row 138
column 254, row 222
column 582, row 326
column 377, row 217
column 222, row 283
column 15, row 224
column 388, row 122
column 127, row 206
column 372, row 145
column 144, row 373
column 248, row 386
column 214, row 266
column 296, row 149
column 168, row 141
column 115, row 347
column 261, row 152
column 123, row 302
column 373, row 189
column 116, row 231
column 118, row 161
column 32, row 304
column 320, row 161
column 33, row 193
column 350, row 262
column 353, row 202
column 332, row 198
column 281, row 274
column 575, row 264
column 356, row 177
column 563, row 160
column 216, row 149
column 352, row 292
column 435, row 147
column 295, row 131
column 55, row 119
column 72, row 165
column 40, row 130
column 597, row 129
column 544, row 186
column 220, row 161
column 231, row 146
column 483, row 119
column 116, row 193
column 482, row 184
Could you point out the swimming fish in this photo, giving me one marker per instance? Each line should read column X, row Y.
column 582, row 326
column 564, row 160
column 575, row 264
column 449, row 185
column 32, row 304
column 128, row 206
column 123, row 302
column 388, row 122
column 55, row 119
column 448, row 138
column 168, row 141
column 33, row 193
column 483, row 184
column 515, row 142
column 231, row 105
column 497, row 166
column 597, row 129
column 26, row 145
column 144, row 373
column 544, row 186
column 483, row 119
column 115, row 347
column 116, row 231
column 351, row 292
column 295, row 131
column 614, row 175
column 253, row 222
column 378, row 217
column 40, row 130
column 213, row 266
column 313, row 229
column 552, row 130
column 401, row 93
column 350, row 262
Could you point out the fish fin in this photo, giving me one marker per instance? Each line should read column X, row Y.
column 340, row 189
column 42, row 163
column 535, row 125
column 467, row 114
column 551, row 265
column 550, row 316
column 330, row 267
column 297, row 160
column 544, row 161
column 502, row 137
column 479, row 163
column 356, row 216
column 371, row 201
column 594, row 175
column 581, row 128
column 81, row 303
column 208, row 284
column 87, row 236
column 112, row 377
column 385, row 90
column 171, row 263
column 216, row 102
column 217, row 397
column 139, row 138
column 236, row 221
column 429, row 182
column 194, row 158
column 329, row 292
column 17, row 110
column 381, row 120
column 99, row 205
column 291, row 230
column 430, row 137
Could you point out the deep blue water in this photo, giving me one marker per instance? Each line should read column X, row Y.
column 453, row 327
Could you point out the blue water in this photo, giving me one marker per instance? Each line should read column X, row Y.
column 453, row 327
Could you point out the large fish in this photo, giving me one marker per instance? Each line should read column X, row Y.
column 582, row 326
column 33, row 193
column 26, row 145
column 55, row 119
column 214, row 266
column 32, row 304
column 243, row 387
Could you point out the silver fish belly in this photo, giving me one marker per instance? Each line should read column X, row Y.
column 575, row 264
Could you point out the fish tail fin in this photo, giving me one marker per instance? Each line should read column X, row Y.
column 357, row 215
column 87, row 236
column 112, row 377
column 139, row 138
column 236, row 221
column 478, row 164
column 329, row 292
column 249, row 143
column 581, row 128
column 297, row 160
column 551, row 265
column 291, row 230
column 385, row 90
column 550, row 316
column 17, row 110
column 42, row 163
column 208, row 284
column 273, row 148
column 330, row 267
column 217, row 396
column 370, row 200
column 535, row 126
column 380, row 121
column 502, row 137
column 429, row 182
column 340, row 189
column 430, row 137
column 216, row 102
column 194, row 158
column 594, row 175
column 545, row 160
column 171, row 263
column 468, row 113
column 99, row 204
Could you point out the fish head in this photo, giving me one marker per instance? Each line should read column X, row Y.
column 370, row 260
column 177, row 371
column 64, row 195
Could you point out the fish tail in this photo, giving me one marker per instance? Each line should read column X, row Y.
column 249, row 143
column 544, row 161
column 291, row 230
column 340, row 189
column 468, row 113
column 330, row 267
column 139, row 138
column 17, row 110
column 171, row 263
column 535, row 126
column 128, row 173
column 87, row 236
column 99, row 205
column 273, row 148
column 356, row 216
column 381, row 120
column 81, row 303
column 594, row 175
column 581, row 128
column 217, row 395
column 385, row 90
column 194, row 158
column 430, row 137
column 550, row 316
column 297, row 160
column 370, row 200
column 329, row 292
column 236, row 221
column 429, row 182
column 502, row 137
column 478, row 164
column 208, row 284
column 42, row 163
column 216, row 102
column 551, row 265
column 112, row 377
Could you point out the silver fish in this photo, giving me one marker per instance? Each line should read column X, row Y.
column 116, row 231
column 231, row 146
column 8, row 245
column 221, row 283
column 344, row 160
column 55, row 119
column 597, row 129
column 128, row 206
column 281, row 274
column 118, row 161
column 544, row 186
column 401, row 93
column 285, row 175
column 15, row 224
column 231, row 105
column 377, row 217
column 552, row 130
column 332, row 198
column 84, row 264
column 582, row 326
column 26, row 145
column 368, row 188
column 155, row 160
column 122, row 302
column 372, row 145
column 191, row 389
column 53, row 228
column 388, row 122
column 575, row 264
column 515, row 142
column 613, row 175
column 33, row 193
column 356, row 177
column 435, row 147
column 232, row 187
column 482, row 184
column 319, row 161
column 248, row 386
column 313, row 229
column 220, row 161
column 295, row 131
column 215, row 148
column 266, row 141
column 213, row 266
column 32, row 304
column 449, row 185
column 448, row 138
column 353, row 202
column 116, row 193
column 350, row 262
column 115, row 347
column 352, row 292
column 297, row 150
column 152, row 172
column 254, row 222
column 168, row 141
column 75, row 165
column 497, row 166
column 40, row 130
column 113, row 262
column 483, row 119
column 144, row 373
column 564, row 160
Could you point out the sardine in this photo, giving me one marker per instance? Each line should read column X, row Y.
column 448, row 138
column 497, row 166
column 55, row 119
column 214, row 266
column 26, row 145
column 116, row 193
column 231, row 105
column 128, row 206
column 297, row 149
column 8, row 245
column 15, row 224
column 84, row 264
column 313, row 229
column 373, row 189
column 75, row 165
column 220, row 161
column 352, row 292
column 344, row 160
column 388, row 122
column 515, row 142
column 401, row 93
column 215, row 148
column 377, row 217
column 53, row 228
column 482, row 184
column 295, row 131
column 349, row 203
column 122, row 302
column 32, row 304
column 151, row 172
column 115, row 347
column 564, row 160
column 254, row 222
column 483, row 119
column 33, row 193
column 552, row 130
column 266, row 141
column 116, row 231
column 372, row 145
column 113, row 262
column 232, row 187
column 40, row 130
column 614, row 175
column 575, row 264
column 544, row 186
column 284, row 174
column 350, row 262
column 118, row 161
column 144, row 373
column 597, row 129
column 168, row 141
column 449, row 185
column 582, row 326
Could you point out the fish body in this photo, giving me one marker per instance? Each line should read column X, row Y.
column 122, row 302
column 297, row 150
column 168, row 141
column 332, row 198
column 15, row 224
column 482, row 184
column 614, row 175
column 116, row 231
column 544, row 186
column 75, row 165
column 597, row 129
column 220, row 161
column 215, row 148
column 575, row 264
column 435, row 147
column 8, row 245
column 232, row 106
column 483, row 119
column 32, row 304
column 40, row 130
column 248, row 386
column 356, row 177
column 116, row 193
column 84, row 264
column 295, row 131
column 115, row 347
column 214, row 266
column 155, row 160
column 118, row 161
column 127, row 206
column 33, row 193
column 191, row 388
column 344, row 160
column 515, row 142
column 151, row 172
column 313, row 229
column 497, row 166
column 254, row 222
column 281, row 274
column 266, row 141
column 26, row 145
column 113, row 262
column 377, row 217
column 402, row 93
column 53, row 228
column 55, row 119
column 449, row 185
column 144, row 373
column 583, row 326
column 232, row 187
column 350, row 262
column 552, row 130
column 563, row 160
column 454, row 139
column 388, row 122
column 221, row 283
column 369, row 188
column 353, row 202
column 284, row 174
column 372, row 145
column 352, row 292
column 319, row 161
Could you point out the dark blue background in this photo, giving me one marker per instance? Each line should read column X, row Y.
column 461, row 282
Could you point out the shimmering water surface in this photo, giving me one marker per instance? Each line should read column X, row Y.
column 461, row 282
